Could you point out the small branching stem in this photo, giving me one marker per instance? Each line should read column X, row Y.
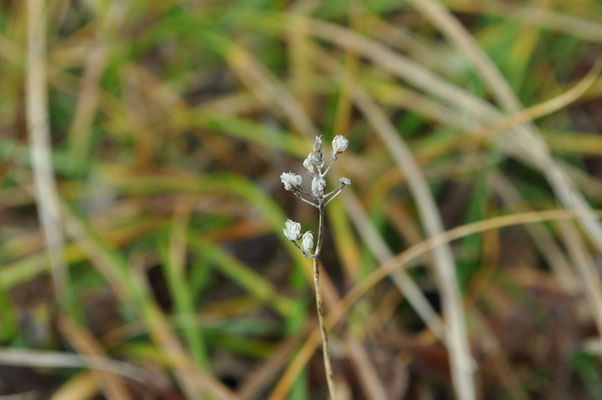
column 317, row 198
column 328, row 168
column 335, row 195
column 334, row 191
column 308, row 202
column 300, row 193
column 319, row 303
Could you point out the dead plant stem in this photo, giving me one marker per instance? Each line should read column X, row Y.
column 319, row 302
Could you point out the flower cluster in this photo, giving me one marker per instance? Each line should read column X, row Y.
column 317, row 196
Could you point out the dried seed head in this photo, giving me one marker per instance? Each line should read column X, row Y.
column 318, row 186
column 291, row 180
column 307, row 244
column 318, row 144
column 315, row 160
column 339, row 145
column 310, row 166
column 345, row 181
column 292, row 230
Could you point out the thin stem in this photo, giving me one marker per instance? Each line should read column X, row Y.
column 328, row 168
column 299, row 193
column 334, row 191
column 308, row 202
column 335, row 195
column 319, row 303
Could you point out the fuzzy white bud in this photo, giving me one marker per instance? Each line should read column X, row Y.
column 291, row 180
column 339, row 145
column 318, row 186
column 318, row 144
column 345, row 181
column 307, row 244
column 309, row 165
column 292, row 230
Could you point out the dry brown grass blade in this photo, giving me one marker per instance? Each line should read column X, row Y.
column 301, row 68
column 370, row 380
column 82, row 386
column 503, row 93
column 401, row 261
column 544, row 108
column 455, row 32
column 530, row 14
column 456, row 336
column 493, row 349
column 57, row 359
column 586, row 270
column 83, row 342
column 89, row 89
column 406, row 41
column 488, row 132
column 268, row 89
column 190, row 378
column 258, row 379
column 46, row 193
column 401, row 279
column 546, row 244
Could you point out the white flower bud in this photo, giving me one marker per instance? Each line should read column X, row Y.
column 339, row 145
column 292, row 230
column 291, row 180
column 307, row 244
column 318, row 144
column 317, row 158
column 345, row 181
column 309, row 165
column 318, row 186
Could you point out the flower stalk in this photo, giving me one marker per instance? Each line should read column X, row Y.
column 318, row 198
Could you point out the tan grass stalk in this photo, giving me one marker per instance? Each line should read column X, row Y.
column 84, row 343
column 55, row 359
column 544, row 241
column 36, row 99
column 589, row 277
column 456, row 337
column 533, row 15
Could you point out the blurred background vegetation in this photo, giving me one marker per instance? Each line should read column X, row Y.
column 160, row 269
